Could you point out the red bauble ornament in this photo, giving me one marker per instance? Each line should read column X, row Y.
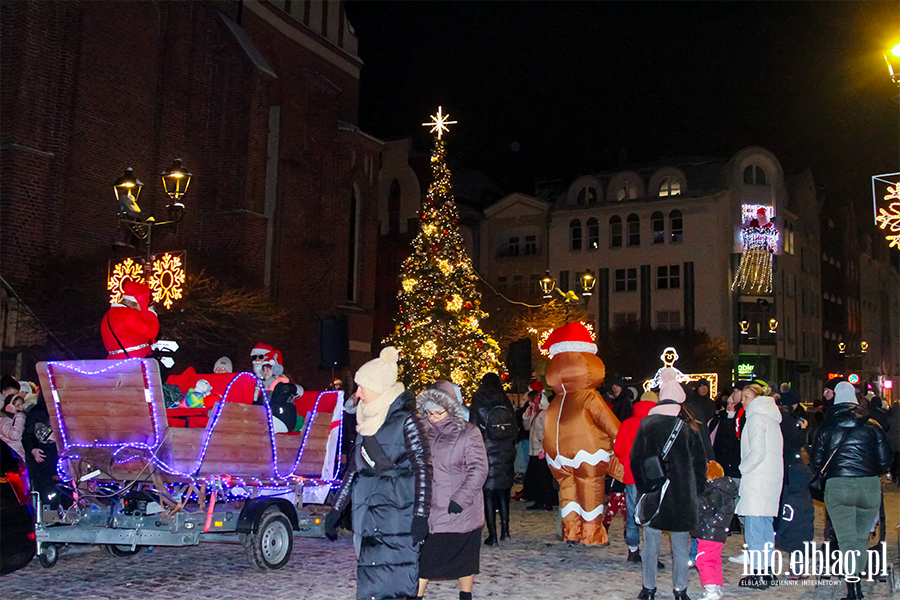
column 505, row 376
column 408, row 326
column 468, row 305
column 461, row 355
column 479, row 344
column 422, row 365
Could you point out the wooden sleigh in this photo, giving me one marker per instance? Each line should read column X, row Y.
column 109, row 416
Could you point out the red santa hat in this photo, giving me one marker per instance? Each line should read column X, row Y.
column 138, row 293
column 536, row 386
column 262, row 351
column 573, row 337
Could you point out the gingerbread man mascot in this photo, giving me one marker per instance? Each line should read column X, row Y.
column 129, row 328
column 578, row 433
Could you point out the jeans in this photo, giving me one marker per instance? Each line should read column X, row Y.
column 521, row 464
column 681, row 547
column 758, row 532
column 632, row 529
column 853, row 504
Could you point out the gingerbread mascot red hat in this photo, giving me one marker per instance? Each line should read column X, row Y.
column 580, row 429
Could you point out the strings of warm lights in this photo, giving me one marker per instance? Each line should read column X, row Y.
column 127, row 270
column 754, row 275
column 438, row 325
column 750, row 211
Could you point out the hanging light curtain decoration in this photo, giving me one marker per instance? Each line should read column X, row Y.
column 760, row 239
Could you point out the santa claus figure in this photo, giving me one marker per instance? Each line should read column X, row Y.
column 259, row 356
column 130, row 327
column 578, row 433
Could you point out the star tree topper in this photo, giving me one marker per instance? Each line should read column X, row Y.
column 439, row 123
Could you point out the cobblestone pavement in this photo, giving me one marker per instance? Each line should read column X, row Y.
column 532, row 566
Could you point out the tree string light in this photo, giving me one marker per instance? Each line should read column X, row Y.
column 760, row 239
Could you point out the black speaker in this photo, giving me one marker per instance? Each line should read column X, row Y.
column 334, row 341
column 518, row 359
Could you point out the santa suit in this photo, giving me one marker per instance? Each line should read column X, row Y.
column 578, row 437
column 135, row 328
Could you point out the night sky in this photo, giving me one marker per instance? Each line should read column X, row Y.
column 545, row 90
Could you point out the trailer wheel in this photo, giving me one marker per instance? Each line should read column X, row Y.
column 49, row 554
column 270, row 546
column 120, row 551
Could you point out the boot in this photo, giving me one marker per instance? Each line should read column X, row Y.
column 634, row 556
column 647, row 594
column 854, row 591
column 503, row 506
column 490, row 518
column 713, row 592
column 681, row 594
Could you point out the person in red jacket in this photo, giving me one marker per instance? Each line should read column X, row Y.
column 622, row 449
column 128, row 329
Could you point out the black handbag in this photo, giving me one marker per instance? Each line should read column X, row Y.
column 817, row 483
column 656, row 481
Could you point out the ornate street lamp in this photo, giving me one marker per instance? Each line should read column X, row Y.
column 128, row 190
column 587, row 283
column 176, row 181
column 773, row 325
column 548, row 284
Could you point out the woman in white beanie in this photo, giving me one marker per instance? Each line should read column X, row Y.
column 389, row 477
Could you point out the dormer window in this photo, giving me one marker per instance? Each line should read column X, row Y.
column 587, row 195
column 754, row 175
column 626, row 191
column 669, row 187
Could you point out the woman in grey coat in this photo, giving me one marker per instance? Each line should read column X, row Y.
column 389, row 478
column 460, row 467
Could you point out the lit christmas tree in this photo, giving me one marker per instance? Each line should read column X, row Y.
column 438, row 329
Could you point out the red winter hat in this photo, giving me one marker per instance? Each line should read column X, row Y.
column 573, row 337
column 136, row 292
column 261, row 350
column 536, row 386
column 275, row 361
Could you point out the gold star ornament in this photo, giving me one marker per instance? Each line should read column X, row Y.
column 439, row 123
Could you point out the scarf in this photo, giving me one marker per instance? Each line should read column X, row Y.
column 370, row 417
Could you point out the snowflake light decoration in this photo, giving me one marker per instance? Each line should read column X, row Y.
column 167, row 279
column 890, row 217
column 439, row 123
column 127, row 270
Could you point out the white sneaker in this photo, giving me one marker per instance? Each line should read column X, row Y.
column 713, row 592
column 739, row 559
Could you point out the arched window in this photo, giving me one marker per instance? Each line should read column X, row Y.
column 394, row 208
column 615, row 232
column 676, row 226
column 587, row 195
column 634, row 230
column 575, row 235
column 627, row 191
column 658, row 224
column 669, row 187
column 754, row 175
column 593, row 232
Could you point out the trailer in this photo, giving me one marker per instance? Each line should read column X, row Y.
column 138, row 481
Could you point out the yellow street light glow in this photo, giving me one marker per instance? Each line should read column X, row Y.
column 896, row 50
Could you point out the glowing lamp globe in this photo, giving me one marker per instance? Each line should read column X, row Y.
column 176, row 181
column 128, row 189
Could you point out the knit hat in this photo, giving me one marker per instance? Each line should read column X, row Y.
column 275, row 361
column 536, row 386
column 380, row 373
column 844, row 392
column 669, row 388
column 225, row 363
column 573, row 337
column 788, row 398
column 703, row 381
column 649, row 397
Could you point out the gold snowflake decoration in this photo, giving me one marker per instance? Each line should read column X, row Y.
column 890, row 217
column 167, row 279
column 127, row 270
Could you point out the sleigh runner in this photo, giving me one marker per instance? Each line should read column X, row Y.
column 140, row 481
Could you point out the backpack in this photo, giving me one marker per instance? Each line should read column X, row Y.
column 500, row 424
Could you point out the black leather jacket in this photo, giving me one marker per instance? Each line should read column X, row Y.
column 862, row 446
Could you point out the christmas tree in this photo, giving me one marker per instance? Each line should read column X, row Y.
column 438, row 327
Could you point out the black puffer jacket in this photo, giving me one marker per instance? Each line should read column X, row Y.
column 501, row 453
column 385, row 502
column 716, row 510
column 862, row 446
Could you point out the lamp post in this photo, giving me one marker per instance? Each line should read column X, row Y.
column 762, row 309
column 128, row 188
column 586, row 282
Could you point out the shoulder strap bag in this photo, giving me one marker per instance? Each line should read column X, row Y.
column 654, row 469
column 817, row 483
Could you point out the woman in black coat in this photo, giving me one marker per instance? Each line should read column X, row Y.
column 389, row 478
column 685, row 469
column 493, row 413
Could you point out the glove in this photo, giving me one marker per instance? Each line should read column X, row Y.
column 374, row 455
column 331, row 524
column 454, row 508
column 419, row 530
